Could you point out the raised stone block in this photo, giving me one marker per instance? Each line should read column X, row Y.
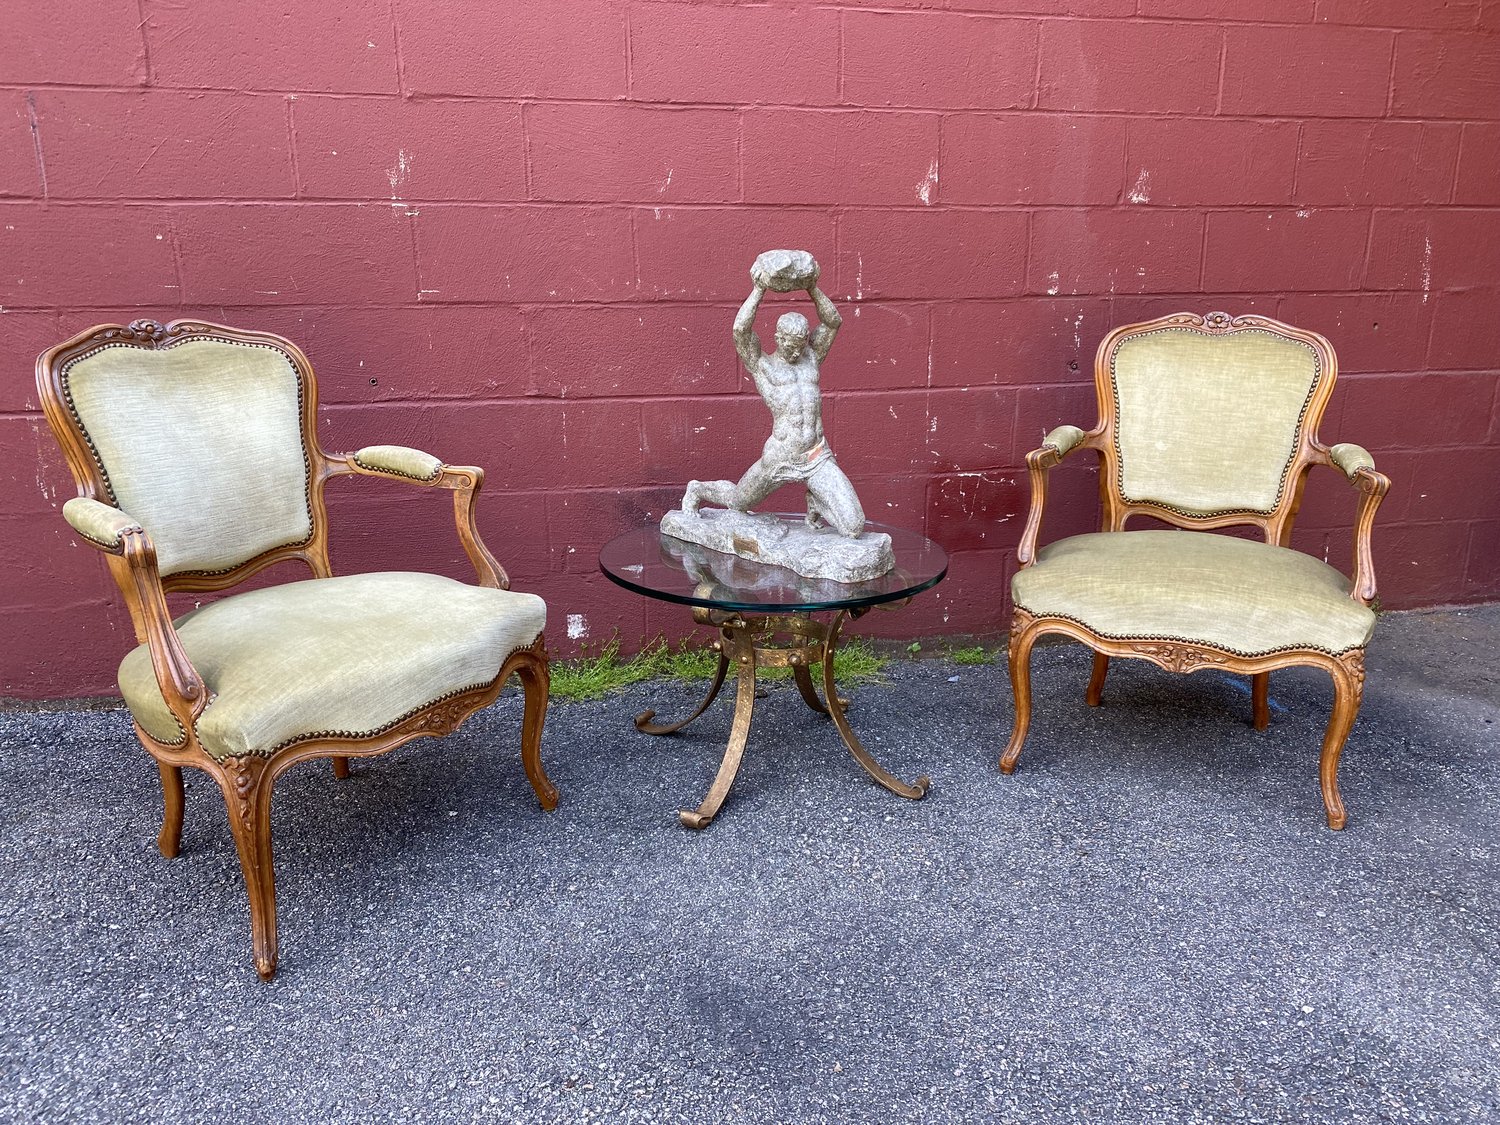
column 810, row 552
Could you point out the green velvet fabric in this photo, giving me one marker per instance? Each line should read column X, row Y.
column 349, row 655
column 202, row 442
column 1209, row 424
column 399, row 459
column 1351, row 458
column 1063, row 439
column 1235, row 594
column 97, row 521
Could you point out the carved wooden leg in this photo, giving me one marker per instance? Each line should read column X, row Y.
column 536, row 680
column 341, row 768
column 1260, row 699
column 170, row 839
column 1021, row 640
column 1095, row 694
column 246, row 783
column 1348, row 689
column 744, row 705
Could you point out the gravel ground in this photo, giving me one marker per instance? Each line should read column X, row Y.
column 1147, row 922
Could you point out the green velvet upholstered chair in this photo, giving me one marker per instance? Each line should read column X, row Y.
column 197, row 463
column 1205, row 422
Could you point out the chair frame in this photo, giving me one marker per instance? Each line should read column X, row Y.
column 1347, row 670
column 246, row 782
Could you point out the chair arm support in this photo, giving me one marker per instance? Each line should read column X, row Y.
column 397, row 462
column 1356, row 463
column 98, row 523
column 1055, row 446
column 115, row 532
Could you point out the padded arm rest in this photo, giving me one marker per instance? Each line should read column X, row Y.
column 1351, row 458
column 1063, row 439
column 399, row 461
column 98, row 522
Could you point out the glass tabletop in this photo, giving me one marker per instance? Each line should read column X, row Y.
column 659, row 566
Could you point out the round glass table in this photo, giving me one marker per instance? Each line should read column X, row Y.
column 764, row 615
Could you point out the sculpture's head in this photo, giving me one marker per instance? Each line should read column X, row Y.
column 791, row 336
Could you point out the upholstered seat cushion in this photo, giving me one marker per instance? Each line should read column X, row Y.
column 1246, row 597
column 348, row 655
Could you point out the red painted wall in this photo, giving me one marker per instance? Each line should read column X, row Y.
column 514, row 234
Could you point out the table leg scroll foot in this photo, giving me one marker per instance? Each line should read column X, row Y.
column 643, row 721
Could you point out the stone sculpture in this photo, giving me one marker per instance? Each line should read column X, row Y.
column 830, row 541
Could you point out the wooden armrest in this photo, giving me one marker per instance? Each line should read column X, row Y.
column 119, row 534
column 399, row 462
column 1356, row 463
column 1055, row 446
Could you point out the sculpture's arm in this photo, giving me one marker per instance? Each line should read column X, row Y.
column 745, row 340
column 1356, row 463
column 1055, row 446
column 397, row 462
column 116, row 533
column 829, row 323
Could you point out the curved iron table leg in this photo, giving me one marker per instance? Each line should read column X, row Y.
column 913, row 792
column 744, row 704
column 805, row 686
column 643, row 720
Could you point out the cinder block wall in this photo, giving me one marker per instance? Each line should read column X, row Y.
column 514, row 234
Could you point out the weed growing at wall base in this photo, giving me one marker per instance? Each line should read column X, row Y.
column 592, row 676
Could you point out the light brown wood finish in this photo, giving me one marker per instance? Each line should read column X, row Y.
column 246, row 782
column 1346, row 670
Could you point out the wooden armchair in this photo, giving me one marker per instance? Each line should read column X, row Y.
column 197, row 464
column 1204, row 422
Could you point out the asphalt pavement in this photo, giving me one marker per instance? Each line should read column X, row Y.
column 1148, row 921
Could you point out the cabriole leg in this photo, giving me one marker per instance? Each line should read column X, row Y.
column 1348, row 689
column 1095, row 694
column 169, row 841
column 1260, row 699
column 1022, row 637
column 536, row 681
column 246, row 783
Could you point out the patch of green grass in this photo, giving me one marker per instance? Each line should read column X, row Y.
column 974, row 655
column 595, row 675
column 592, row 676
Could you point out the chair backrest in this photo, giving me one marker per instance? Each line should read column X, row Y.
column 202, row 433
column 1210, row 421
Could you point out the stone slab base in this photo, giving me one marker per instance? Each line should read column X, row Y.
column 775, row 541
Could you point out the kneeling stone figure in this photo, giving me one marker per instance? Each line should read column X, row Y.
column 832, row 543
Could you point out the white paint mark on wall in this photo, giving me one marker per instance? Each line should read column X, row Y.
column 1304, row 213
column 399, row 174
column 1141, row 192
column 578, row 626
column 665, row 184
column 927, row 183
column 1426, row 269
column 859, row 277
column 1053, row 284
